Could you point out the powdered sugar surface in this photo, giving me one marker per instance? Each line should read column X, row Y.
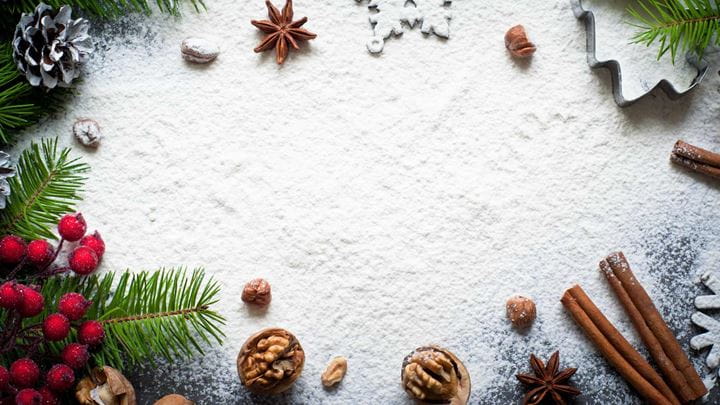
column 392, row 201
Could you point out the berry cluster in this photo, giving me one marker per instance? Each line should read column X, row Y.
column 24, row 374
column 38, row 378
column 37, row 257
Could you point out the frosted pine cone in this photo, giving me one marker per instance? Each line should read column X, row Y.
column 50, row 47
column 6, row 171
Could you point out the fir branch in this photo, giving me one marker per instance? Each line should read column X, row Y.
column 677, row 25
column 46, row 186
column 21, row 105
column 107, row 9
column 165, row 313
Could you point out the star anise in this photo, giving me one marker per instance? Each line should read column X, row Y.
column 549, row 383
column 282, row 31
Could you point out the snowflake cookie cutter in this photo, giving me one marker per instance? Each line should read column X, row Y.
column 710, row 338
column 613, row 66
column 390, row 16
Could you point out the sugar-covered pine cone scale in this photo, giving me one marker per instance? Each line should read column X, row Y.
column 282, row 32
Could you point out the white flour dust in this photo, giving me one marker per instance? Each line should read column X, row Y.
column 394, row 200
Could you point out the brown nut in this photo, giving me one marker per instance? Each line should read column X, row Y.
column 335, row 372
column 173, row 399
column 517, row 42
column 521, row 311
column 432, row 374
column 257, row 292
column 270, row 361
column 105, row 386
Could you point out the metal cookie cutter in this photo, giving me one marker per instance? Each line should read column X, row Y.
column 614, row 66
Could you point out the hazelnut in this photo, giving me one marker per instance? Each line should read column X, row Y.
column 105, row 386
column 432, row 374
column 517, row 42
column 335, row 372
column 270, row 361
column 257, row 292
column 173, row 399
column 521, row 311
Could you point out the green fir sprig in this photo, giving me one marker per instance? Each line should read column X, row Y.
column 21, row 105
column 146, row 315
column 47, row 185
column 103, row 9
column 677, row 25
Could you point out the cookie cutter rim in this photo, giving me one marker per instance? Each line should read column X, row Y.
column 613, row 65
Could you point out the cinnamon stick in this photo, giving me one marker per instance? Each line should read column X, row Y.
column 658, row 337
column 695, row 153
column 621, row 344
column 616, row 349
column 695, row 158
column 696, row 166
column 674, row 376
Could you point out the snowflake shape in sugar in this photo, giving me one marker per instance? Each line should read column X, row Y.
column 712, row 326
column 391, row 15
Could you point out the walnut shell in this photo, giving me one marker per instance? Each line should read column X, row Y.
column 517, row 42
column 105, row 386
column 257, row 292
column 521, row 311
column 270, row 361
column 432, row 374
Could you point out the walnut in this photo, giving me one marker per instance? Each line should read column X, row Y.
column 270, row 361
column 435, row 375
column 87, row 132
column 335, row 372
column 521, row 311
column 105, row 386
column 257, row 292
column 173, row 399
column 517, row 42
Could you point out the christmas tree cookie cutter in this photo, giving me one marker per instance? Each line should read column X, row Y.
column 613, row 66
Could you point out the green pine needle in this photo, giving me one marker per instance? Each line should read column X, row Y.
column 164, row 313
column 104, row 9
column 677, row 25
column 21, row 105
column 46, row 186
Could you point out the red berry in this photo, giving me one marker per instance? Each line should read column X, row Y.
column 91, row 333
column 12, row 249
column 72, row 227
column 75, row 355
column 24, row 373
column 48, row 397
column 4, row 378
column 83, row 260
column 32, row 302
column 94, row 242
column 60, row 378
column 40, row 252
column 28, row 396
column 56, row 327
column 10, row 295
column 73, row 306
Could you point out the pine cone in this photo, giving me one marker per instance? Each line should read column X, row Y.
column 6, row 171
column 50, row 47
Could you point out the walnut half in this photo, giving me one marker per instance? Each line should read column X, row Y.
column 433, row 375
column 270, row 361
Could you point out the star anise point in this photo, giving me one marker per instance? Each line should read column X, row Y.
column 282, row 32
column 548, row 381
